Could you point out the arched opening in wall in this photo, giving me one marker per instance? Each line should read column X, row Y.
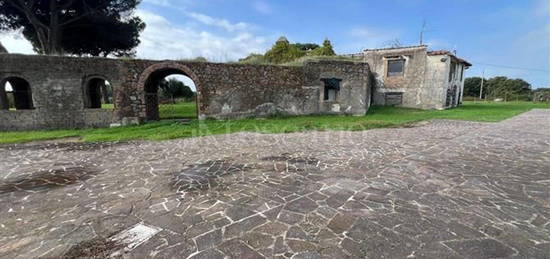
column 99, row 94
column 170, row 94
column 15, row 94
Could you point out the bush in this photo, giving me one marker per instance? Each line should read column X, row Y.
column 283, row 52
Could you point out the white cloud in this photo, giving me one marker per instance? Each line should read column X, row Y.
column 222, row 23
column 262, row 7
column 15, row 43
column 163, row 39
column 367, row 37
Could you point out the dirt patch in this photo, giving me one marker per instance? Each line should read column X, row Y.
column 205, row 176
column 44, row 180
column 95, row 248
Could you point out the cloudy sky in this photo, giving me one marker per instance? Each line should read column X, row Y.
column 502, row 37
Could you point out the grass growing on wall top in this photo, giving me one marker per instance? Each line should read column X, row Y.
column 377, row 117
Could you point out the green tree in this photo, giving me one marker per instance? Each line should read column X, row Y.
column 283, row 52
column 541, row 95
column 325, row 50
column 173, row 88
column 94, row 27
column 508, row 89
column 472, row 86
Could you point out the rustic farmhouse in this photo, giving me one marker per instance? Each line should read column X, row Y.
column 415, row 77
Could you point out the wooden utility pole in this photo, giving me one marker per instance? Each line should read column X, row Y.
column 481, row 88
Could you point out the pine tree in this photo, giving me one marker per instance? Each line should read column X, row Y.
column 325, row 50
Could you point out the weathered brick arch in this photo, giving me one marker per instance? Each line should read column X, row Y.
column 159, row 67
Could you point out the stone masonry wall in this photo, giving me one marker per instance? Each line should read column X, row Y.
column 224, row 90
column 436, row 75
column 57, row 91
column 354, row 97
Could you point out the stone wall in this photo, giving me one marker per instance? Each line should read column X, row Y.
column 436, row 75
column 58, row 86
column 2, row 49
column 354, row 97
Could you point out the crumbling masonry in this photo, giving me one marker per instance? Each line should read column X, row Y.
column 55, row 92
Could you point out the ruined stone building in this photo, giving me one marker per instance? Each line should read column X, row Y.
column 415, row 77
column 63, row 92
column 47, row 92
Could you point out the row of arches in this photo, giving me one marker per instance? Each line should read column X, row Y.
column 16, row 92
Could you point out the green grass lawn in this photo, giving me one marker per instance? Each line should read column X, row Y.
column 377, row 117
column 171, row 111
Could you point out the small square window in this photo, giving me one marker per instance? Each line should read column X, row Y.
column 396, row 67
column 332, row 87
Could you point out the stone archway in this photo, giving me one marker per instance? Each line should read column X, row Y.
column 149, row 79
column 21, row 93
column 97, row 90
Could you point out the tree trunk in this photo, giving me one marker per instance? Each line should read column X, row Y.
column 54, row 35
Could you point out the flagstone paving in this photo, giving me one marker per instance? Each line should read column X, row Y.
column 443, row 189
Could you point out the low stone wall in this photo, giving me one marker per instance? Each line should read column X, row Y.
column 38, row 119
column 17, row 120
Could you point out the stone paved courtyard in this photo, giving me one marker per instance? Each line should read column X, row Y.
column 442, row 189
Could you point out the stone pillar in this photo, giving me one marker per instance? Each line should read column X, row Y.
column 4, row 105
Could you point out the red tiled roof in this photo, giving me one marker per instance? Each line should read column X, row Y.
column 446, row 52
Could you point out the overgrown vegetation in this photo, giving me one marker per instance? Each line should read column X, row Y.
column 284, row 52
column 378, row 117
